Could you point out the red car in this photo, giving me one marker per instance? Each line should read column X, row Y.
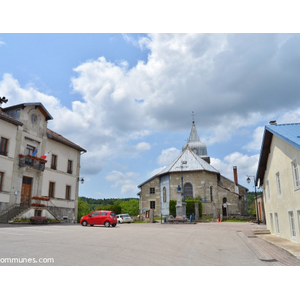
column 100, row 217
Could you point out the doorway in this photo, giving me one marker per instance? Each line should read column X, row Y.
column 26, row 191
column 224, row 207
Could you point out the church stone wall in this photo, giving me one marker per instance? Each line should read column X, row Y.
column 206, row 185
column 146, row 197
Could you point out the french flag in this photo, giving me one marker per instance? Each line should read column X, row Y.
column 45, row 155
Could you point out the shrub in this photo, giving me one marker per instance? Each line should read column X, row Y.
column 190, row 206
column 172, row 207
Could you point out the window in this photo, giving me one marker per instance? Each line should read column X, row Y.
column 29, row 150
column 37, row 213
column 51, row 189
column 164, row 194
column 278, row 183
column 70, row 167
column 211, row 193
column 296, row 174
column 103, row 213
column 272, row 223
column 53, row 162
column 188, row 190
column 152, row 190
column 152, row 204
column 268, row 190
column 298, row 215
column 1, row 180
column 3, row 146
column 68, row 192
column 277, row 223
column 292, row 224
column 94, row 214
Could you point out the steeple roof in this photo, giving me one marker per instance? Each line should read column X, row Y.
column 194, row 142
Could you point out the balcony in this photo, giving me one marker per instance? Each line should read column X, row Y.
column 32, row 162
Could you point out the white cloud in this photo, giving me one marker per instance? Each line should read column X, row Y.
column 143, row 146
column 256, row 142
column 246, row 165
column 167, row 156
column 231, row 81
column 154, row 172
column 126, row 182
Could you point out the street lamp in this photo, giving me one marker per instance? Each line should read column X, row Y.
column 249, row 181
column 81, row 180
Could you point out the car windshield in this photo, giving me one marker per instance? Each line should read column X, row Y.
column 112, row 214
column 126, row 215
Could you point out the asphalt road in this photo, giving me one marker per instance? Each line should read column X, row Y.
column 202, row 244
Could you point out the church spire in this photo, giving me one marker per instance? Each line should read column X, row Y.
column 195, row 144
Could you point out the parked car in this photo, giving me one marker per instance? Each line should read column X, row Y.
column 100, row 217
column 124, row 218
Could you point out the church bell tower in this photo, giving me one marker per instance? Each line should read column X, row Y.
column 196, row 145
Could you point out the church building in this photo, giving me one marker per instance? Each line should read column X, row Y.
column 192, row 171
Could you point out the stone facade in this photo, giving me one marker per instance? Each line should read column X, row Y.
column 212, row 188
column 220, row 196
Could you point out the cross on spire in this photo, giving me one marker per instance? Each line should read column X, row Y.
column 193, row 115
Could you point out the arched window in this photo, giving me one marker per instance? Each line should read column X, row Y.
column 164, row 194
column 188, row 190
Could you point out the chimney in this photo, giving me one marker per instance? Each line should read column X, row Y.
column 235, row 176
column 273, row 122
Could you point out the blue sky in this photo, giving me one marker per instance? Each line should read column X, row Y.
column 128, row 98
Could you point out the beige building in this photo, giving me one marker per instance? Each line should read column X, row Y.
column 39, row 169
column 191, row 170
column 278, row 175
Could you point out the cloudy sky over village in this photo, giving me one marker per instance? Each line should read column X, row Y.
column 128, row 98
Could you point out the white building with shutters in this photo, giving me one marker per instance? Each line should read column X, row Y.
column 29, row 184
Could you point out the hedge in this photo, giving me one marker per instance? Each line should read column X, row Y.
column 190, row 207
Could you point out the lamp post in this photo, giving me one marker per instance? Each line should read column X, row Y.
column 249, row 181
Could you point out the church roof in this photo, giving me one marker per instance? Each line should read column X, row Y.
column 188, row 161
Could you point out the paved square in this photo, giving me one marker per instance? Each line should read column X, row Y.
column 202, row 244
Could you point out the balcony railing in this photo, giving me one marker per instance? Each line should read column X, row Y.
column 32, row 162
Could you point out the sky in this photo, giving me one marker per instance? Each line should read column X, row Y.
column 129, row 99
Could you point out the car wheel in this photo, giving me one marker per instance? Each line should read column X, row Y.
column 114, row 225
column 84, row 223
column 106, row 224
column 119, row 222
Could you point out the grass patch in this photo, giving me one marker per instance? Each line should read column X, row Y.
column 236, row 220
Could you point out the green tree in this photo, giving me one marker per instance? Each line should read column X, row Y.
column 112, row 207
column 131, row 207
column 251, row 203
column 83, row 209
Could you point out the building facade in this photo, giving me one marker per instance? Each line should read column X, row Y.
column 192, row 171
column 278, row 175
column 39, row 169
